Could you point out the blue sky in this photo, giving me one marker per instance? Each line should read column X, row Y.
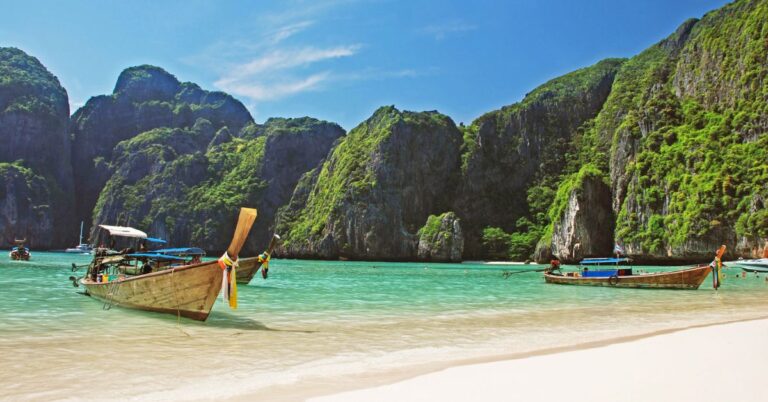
column 339, row 60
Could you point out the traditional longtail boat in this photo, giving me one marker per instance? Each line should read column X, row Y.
column 247, row 267
column 690, row 278
column 187, row 290
column 20, row 253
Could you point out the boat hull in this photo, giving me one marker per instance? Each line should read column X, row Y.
column 759, row 265
column 189, row 291
column 247, row 268
column 690, row 278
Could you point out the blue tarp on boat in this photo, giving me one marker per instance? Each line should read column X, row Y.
column 599, row 274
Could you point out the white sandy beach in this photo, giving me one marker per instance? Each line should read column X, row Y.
column 725, row 362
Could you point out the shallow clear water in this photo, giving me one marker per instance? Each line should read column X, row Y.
column 313, row 321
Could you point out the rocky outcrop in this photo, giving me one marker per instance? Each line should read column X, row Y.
column 441, row 239
column 144, row 98
column 586, row 226
column 376, row 189
column 187, row 185
column 34, row 111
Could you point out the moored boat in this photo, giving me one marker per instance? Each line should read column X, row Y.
column 186, row 290
column 621, row 277
column 81, row 248
column 758, row 265
column 248, row 267
column 19, row 252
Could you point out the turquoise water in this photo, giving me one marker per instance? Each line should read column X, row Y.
column 315, row 321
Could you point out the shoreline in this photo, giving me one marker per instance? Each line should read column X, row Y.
column 428, row 379
column 455, row 381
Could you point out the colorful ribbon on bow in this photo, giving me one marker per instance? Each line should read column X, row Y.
column 229, row 280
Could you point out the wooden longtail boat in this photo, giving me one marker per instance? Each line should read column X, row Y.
column 188, row 290
column 20, row 253
column 690, row 278
column 247, row 267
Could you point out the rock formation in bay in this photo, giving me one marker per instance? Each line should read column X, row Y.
column 441, row 239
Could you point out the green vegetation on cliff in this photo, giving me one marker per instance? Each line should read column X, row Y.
column 527, row 149
column 693, row 153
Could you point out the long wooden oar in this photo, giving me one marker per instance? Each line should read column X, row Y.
column 507, row 274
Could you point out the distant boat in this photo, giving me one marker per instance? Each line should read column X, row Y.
column 247, row 267
column 758, row 265
column 623, row 277
column 20, row 253
column 81, row 248
column 187, row 290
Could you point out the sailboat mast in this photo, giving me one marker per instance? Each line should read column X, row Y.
column 81, row 233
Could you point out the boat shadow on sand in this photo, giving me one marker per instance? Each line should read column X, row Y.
column 226, row 320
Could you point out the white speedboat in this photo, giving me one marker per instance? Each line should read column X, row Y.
column 81, row 248
column 758, row 265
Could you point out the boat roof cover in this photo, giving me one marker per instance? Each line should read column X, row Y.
column 181, row 251
column 124, row 231
column 155, row 240
column 156, row 256
column 588, row 261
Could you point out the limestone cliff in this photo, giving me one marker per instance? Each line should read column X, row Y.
column 38, row 191
column 187, row 185
column 145, row 98
column 375, row 191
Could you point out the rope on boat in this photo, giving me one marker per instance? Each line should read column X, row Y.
column 178, row 310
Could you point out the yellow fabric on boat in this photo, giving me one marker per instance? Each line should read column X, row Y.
column 228, row 281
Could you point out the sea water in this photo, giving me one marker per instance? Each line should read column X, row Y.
column 319, row 322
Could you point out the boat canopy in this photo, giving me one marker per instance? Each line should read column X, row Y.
column 155, row 240
column 181, row 251
column 155, row 256
column 124, row 231
column 594, row 261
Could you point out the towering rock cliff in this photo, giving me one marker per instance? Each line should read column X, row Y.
column 513, row 158
column 187, row 184
column 36, row 172
column 376, row 190
column 684, row 129
column 144, row 98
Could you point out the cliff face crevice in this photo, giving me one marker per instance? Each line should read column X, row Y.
column 586, row 227
column 522, row 149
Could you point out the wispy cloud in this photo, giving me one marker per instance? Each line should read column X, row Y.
column 262, row 91
column 280, row 59
column 441, row 31
column 272, row 76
